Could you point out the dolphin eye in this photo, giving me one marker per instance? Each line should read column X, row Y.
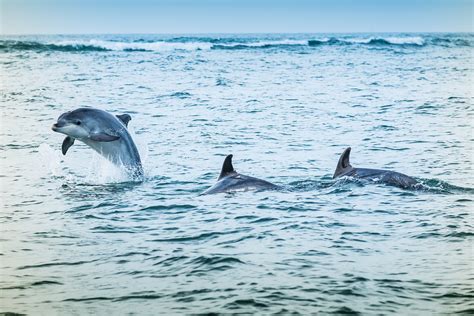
column 78, row 122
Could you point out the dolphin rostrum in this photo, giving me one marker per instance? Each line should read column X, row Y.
column 344, row 168
column 229, row 180
column 105, row 133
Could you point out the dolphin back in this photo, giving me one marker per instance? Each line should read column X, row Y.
column 229, row 180
column 384, row 176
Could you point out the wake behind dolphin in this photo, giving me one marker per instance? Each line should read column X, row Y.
column 344, row 168
column 229, row 180
column 105, row 133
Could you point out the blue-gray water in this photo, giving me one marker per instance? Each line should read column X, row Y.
column 78, row 238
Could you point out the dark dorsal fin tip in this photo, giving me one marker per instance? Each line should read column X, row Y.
column 346, row 155
column 344, row 164
column 227, row 167
column 124, row 118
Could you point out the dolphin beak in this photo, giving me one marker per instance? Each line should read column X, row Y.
column 55, row 127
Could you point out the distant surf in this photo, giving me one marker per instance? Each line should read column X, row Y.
column 228, row 43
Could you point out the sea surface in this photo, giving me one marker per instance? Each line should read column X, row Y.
column 78, row 237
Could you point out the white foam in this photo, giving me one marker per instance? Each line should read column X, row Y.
column 405, row 40
column 356, row 40
column 266, row 43
column 190, row 46
column 102, row 171
column 416, row 40
column 122, row 46
column 50, row 160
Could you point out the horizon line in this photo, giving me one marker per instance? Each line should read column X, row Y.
column 240, row 33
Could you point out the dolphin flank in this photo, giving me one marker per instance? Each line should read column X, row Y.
column 229, row 180
column 344, row 168
column 105, row 133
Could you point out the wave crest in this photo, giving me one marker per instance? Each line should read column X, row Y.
column 416, row 41
column 237, row 43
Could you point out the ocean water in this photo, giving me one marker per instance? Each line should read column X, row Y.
column 78, row 237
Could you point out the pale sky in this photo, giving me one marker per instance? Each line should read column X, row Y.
column 234, row 16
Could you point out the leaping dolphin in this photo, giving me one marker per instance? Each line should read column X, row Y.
column 105, row 133
column 344, row 168
column 229, row 180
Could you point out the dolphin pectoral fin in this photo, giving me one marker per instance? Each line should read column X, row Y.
column 343, row 165
column 227, row 167
column 103, row 137
column 67, row 143
column 124, row 118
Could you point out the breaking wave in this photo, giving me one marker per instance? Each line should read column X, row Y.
column 261, row 44
column 414, row 41
column 99, row 45
column 206, row 43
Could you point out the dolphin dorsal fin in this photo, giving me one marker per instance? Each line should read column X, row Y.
column 227, row 167
column 124, row 118
column 343, row 165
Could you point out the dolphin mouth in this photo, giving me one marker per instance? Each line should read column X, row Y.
column 56, row 127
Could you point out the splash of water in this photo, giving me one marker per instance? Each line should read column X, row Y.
column 96, row 171
column 50, row 160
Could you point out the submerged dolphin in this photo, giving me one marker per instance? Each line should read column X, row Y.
column 229, row 180
column 344, row 168
column 105, row 133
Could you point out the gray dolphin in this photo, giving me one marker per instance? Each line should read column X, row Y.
column 229, row 180
column 344, row 168
column 105, row 133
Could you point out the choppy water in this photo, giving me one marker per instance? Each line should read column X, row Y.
column 78, row 238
